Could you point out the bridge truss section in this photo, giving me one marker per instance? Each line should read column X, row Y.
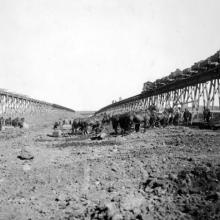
column 15, row 105
column 195, row 93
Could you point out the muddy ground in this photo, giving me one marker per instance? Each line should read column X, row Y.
column 167, row 173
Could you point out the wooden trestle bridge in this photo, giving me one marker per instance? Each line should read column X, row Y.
column 13, row 105
column 200, row 88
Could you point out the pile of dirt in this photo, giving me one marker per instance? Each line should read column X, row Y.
column 192, row 194
column 198, row 192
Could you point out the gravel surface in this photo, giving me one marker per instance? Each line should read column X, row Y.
column 166, row 173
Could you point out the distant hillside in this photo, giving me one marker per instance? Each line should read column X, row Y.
column 86, row 113
column 62, row 107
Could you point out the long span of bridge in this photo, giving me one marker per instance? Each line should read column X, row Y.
column 13, row 105
column 202, row 88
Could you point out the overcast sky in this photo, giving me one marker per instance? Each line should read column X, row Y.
column 84, row 53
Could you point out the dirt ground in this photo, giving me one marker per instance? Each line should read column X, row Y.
column 166, row 173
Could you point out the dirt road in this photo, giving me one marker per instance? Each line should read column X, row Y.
column 169, row 173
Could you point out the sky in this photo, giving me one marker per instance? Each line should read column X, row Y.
column 83, row 54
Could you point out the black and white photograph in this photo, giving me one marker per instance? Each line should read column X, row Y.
column 109, row 109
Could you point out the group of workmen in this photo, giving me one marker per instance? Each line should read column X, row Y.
column 125, row 122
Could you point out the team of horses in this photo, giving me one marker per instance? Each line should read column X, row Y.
column 147, row 119
column 16, row 122
column 125, row 122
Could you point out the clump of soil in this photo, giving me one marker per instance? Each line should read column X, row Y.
column 198, row 192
